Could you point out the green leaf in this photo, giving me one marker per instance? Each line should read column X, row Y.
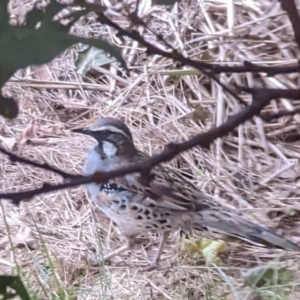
column 292, row 212
column 33, row 17
column 8, row 107
column 15, row 283
column 180, row 72
column 91, row 57
column 105, row 46
column 209, row 249
column 266, row 276
column 52, row 9
column 200, row 114
column 22, row 46
column 4, row 16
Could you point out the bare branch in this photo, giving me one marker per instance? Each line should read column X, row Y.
column 15, row 158
column 261, row 98
column 205, row 68
column 290, row 7
column 250, row 67
column 269, row 117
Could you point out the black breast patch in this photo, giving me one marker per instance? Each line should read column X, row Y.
column 111, row 188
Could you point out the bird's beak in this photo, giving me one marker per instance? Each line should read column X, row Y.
column 82, row 130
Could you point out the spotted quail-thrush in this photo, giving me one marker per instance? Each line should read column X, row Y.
column 167, row 203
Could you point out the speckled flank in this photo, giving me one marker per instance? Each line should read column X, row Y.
column 167, row 203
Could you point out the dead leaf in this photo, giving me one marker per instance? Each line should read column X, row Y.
column 208, row 248
column 34, row 130
column 200, row 114
column 90, row 57
column 206, row 56
column 9, row 142
column 23, row 238
column 46, row 130
column 29, row 131
column 42, row 72
column 290, row 173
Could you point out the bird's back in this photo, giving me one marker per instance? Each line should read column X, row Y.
column 167, row 203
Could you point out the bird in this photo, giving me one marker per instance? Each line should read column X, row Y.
column 166, row 203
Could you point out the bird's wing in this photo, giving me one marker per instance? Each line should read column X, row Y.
column 234, row 225
column 168, row 188
column 173, row 192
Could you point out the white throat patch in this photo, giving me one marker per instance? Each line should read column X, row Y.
column 109, row 149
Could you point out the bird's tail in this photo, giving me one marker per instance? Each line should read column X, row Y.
column 235, row 225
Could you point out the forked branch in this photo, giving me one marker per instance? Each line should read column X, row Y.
column 260, row 99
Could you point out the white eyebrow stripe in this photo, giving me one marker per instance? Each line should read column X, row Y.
column 110, row 128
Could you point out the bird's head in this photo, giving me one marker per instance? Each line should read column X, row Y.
column 109, row 132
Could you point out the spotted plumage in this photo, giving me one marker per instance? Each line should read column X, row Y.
column 110, row 188
column 167, row 203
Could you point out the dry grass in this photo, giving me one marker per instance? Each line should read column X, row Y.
column 255, row 169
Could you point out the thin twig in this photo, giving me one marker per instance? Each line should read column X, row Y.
column 44, row 166
column 269, row 117
column 290, row 7
column 261, row 98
